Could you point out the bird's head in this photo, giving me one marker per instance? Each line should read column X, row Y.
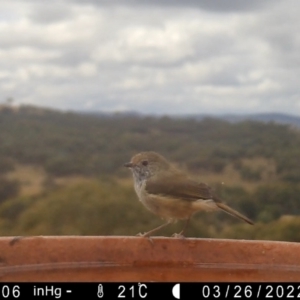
column 147, row 164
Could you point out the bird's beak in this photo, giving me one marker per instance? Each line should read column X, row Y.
column 128, row 165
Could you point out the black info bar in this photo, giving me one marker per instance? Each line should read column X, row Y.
column 150, row 290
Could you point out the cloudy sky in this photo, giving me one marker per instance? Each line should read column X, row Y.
column 154, row 56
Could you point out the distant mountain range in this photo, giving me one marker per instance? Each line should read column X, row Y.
column 232, row 118
column 265, row 118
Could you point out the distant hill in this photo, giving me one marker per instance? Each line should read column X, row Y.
column 232, row 118
column 278, row 118
column 265, row 118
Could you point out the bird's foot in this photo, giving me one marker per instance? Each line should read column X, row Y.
column 146, row 235
column 178, row 235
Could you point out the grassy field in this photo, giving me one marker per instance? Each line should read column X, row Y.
column 31, row 179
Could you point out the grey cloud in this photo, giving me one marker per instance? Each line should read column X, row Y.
column 48, row 12
column 115, row 55
column 209, row 5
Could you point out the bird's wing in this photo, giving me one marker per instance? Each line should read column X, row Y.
column 179, row 187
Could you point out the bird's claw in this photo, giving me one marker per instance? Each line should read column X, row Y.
column 178, row 236
column 145, row 235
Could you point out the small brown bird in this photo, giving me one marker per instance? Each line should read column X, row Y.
column 170, row 193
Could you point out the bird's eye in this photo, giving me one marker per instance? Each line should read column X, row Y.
column 145, row 162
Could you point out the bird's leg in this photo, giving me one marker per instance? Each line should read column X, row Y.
column 149, row 233
column 182, row 232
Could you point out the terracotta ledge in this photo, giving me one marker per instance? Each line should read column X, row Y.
column 122, row 258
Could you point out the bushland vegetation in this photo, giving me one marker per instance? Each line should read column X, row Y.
column 75, row 182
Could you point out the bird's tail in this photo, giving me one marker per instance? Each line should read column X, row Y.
column 233, row 212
